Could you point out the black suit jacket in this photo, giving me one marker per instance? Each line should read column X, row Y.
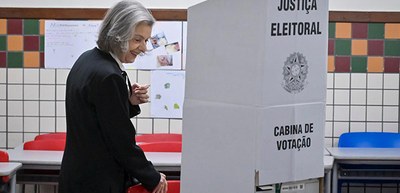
column 101, row 153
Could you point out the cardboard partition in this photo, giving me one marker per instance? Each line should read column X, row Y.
column 255, row 91
column 290, row 143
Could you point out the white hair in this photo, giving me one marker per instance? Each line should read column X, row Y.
column 118, row 24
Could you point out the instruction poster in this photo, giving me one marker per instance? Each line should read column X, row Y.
column 167, row 91
column 65, row 41
column 184, row 45
column 164, row 48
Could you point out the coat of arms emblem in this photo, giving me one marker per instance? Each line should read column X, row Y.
column 295, row 73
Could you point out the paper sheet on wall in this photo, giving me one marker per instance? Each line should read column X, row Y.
column 184, row 44
column 167, row 93
column 65, row 41
column 164, row 48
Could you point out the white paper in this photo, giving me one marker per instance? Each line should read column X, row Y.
column 184, row 44
column 167, row 91
column 164, row 48
column 65, row 41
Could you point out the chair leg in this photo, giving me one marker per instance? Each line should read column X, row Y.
column 339, row 189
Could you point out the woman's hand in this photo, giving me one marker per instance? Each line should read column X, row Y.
column 139, row 94
column 162, row 187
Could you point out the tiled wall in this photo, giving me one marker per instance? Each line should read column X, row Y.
column 21, row 43
column 363, row 78
column 363, row 83
column 32, row 97
column 364, row 47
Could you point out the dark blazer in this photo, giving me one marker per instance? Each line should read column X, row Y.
column 101, row 153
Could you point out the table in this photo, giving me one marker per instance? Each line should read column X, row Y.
column 43, row 167
column 326, row 152
column 328, row 164
column 9, row 169
column 359, row 156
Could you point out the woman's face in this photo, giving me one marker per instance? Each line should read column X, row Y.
column 137, row 44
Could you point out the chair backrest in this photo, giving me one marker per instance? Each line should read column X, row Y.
column 49, row 145
column 137, row 189
column 157, row 137
column 163, row 146
column 370, row 140
column 58, row 135
column 4, row 156
column 173, row 187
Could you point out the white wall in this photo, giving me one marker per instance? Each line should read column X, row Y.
column 364, row 5
column 153, row 4
column 334, row 5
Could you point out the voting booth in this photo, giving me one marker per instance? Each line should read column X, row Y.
column 254, row 109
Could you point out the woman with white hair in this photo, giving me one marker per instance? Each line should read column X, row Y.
column 101, row 155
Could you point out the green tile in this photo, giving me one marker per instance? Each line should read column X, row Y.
column 392, row 47
column 3, row 43
column 31, row 26
column 41, row 45
column 343, row 47
column 359, row 64
column 376, row 30
column 14, row 59
column 332, row 30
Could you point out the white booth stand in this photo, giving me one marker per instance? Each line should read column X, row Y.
column 254, row 110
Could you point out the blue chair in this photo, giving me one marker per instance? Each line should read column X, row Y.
column 367, row 140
